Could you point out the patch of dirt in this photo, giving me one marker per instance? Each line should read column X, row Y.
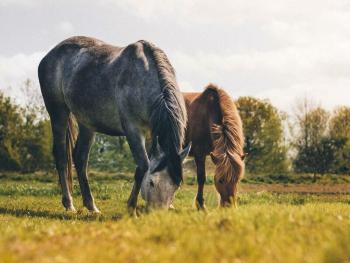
column 299, row 188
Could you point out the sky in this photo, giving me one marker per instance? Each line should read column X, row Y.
column 270, row 49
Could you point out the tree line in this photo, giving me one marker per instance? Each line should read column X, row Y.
column 310, row 140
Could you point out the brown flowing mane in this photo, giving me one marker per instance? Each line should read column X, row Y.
column 214, row 127
column 228, row 138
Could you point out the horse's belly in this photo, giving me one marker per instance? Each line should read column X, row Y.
column 100, row 117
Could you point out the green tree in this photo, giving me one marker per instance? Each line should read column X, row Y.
column 10, row 134
column 315, row 149
column 318, row 158
column 264, row 136
column 339, row 123
column 36, row 144
column 36, row 137
column 25, row 136
column 339, row 130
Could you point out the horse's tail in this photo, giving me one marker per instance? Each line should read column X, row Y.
column 71, row 135
column 168, row 114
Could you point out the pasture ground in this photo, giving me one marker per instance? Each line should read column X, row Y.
column 300, row 222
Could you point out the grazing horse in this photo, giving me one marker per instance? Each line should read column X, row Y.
column 215, row 127
column 129, row 91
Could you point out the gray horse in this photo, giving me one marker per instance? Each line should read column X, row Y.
column 130, row 91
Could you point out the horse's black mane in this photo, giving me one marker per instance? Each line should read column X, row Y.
column 168, row 114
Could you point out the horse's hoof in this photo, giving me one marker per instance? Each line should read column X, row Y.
column 67, row 203
column 201, row 207
column 92, row 208
column 71, row 209
column 95, row 211
column 132, row 212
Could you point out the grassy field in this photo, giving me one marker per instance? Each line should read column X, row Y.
column 299, row 222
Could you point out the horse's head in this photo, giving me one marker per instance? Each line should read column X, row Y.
column 158, row 187
column 228, row 171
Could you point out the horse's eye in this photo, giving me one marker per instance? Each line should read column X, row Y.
column 151, row 183
column 221, row 180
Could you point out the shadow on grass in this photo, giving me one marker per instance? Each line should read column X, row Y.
column 46, row 177
column 20, row 212
column 102, row 190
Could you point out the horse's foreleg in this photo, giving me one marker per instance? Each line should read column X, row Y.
column 201, row 178
column 137, row 146
column 81, row 159
column 59, row 127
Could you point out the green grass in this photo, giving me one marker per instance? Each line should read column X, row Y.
column 266, row 226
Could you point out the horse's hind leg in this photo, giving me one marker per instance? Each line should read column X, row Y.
column 201, row 178
column 81, row 158
column 59, row 122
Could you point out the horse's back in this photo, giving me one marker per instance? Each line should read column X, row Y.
column 98, row 82
column 93, row 46
column 73, row 77
column 189, row 97
column 77, row 51
column 62, row 60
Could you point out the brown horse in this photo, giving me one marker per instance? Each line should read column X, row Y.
column 215, row 129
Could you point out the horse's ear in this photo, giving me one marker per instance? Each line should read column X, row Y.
column 243, row 156
column 184, row 153
column 159, row 164
column 213, row 158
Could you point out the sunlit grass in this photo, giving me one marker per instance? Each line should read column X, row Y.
column 266, row 227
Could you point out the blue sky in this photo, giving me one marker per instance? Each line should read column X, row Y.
column 279, row 50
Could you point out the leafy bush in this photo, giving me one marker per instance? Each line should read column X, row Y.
column 25, row 140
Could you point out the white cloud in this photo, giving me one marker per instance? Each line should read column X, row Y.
column 186, row 86
column 17, row 2
column 318, row 71
column 232, row 12
column 17, row 69
column 309, row 42
column 65, row 27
